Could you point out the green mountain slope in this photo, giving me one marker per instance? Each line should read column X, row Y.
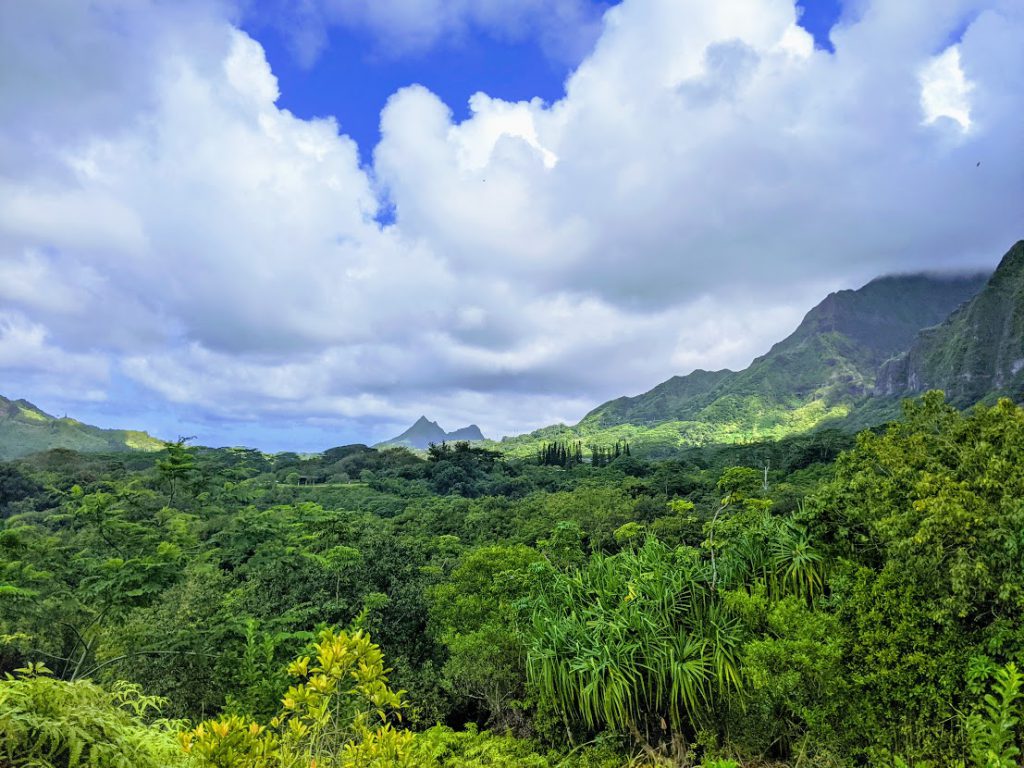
column 677, row 398
column 424, row 432
column 977, row 353
column 817, row 374
column 26, row 429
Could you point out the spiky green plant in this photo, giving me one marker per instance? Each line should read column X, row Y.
column 636, row 642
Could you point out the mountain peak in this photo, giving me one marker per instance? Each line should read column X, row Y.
column 424, row 432
column 470, row 433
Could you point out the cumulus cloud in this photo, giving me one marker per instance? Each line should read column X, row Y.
column 27, row 353
column 707, row 177
column 944, row 89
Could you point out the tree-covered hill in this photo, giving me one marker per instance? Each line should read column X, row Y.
column 26, row 429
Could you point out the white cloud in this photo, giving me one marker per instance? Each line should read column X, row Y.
column 492, row 122
column 945, row 90
column 707, row 177
column 26, row 352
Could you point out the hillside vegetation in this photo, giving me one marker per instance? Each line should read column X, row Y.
column 716, row 573
column 26, row 429
column 817, row 601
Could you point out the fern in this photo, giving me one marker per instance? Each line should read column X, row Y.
column 48, row 723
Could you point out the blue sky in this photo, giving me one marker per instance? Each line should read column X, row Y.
column 352, row 80
column 353, row 77
column 294, row 226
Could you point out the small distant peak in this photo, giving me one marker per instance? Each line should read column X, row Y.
column 471, row 433
column 421, row 434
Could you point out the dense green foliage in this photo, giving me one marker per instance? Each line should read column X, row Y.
column 813, row 601
column 927, row 524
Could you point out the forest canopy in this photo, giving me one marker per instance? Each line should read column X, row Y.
column 813, row 601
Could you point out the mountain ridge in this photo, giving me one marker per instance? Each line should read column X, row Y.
column 25, row 429
column 847, row 331
column 848, row 363
column 818, row 374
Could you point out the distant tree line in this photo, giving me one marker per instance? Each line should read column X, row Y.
column 560, row 453
column 602, row 456
column 563, row 453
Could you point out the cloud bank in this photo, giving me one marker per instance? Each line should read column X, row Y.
column 165, row 227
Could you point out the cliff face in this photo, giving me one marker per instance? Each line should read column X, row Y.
column 977, row 352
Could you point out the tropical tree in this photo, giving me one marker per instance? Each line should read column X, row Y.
column 178, row 466
column 923, row 523
column 473, row 613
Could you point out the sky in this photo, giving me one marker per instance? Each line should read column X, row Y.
column 293, row 225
